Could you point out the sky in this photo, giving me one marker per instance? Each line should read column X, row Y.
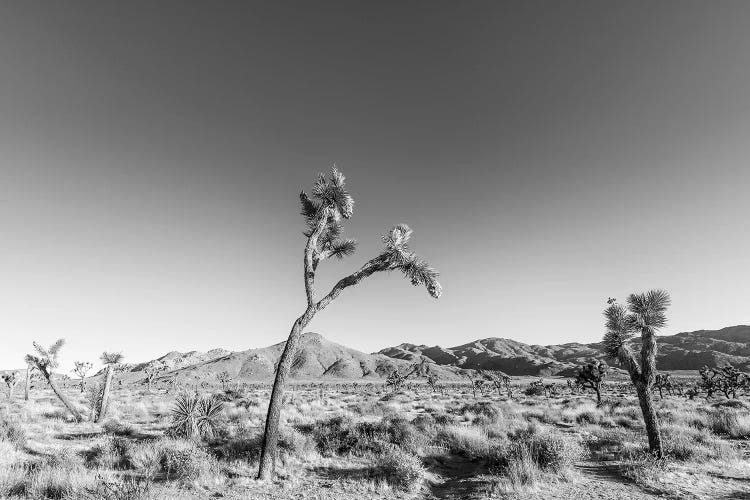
column 548, row 155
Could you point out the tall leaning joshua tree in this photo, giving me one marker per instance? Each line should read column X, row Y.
column 645, row 313
column 45, row 360
column 323, row 213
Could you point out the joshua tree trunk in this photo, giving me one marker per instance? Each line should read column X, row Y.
column 28, row 384
column 271, row 436
column 104, row 403
column 63, row 398
column 650, row 419
column 598, row 390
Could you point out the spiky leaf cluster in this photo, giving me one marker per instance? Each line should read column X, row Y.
column 111, row 358
column 194, row 416
column 81, row 368
column 331, row 200
column 45, row 359
column 397, row 255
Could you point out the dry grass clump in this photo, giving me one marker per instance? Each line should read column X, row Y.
column 470, row 441
column 13, row 432
column 118, row 428
column 729, row 422
column 402, row 470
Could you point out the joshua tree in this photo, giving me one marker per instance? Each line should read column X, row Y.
column 224, row 379
column 499, row 380
column 110, row 359
column 434, row 382
column 45, row 360
column 80, row 370
column 152, row 370
column 323, row 213
column 645, row 313
column 591, row 376
column 661, row 382
column 726, row 379
column 11, row 380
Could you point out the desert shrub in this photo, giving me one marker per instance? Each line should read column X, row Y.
column 335, row 436
column 145, row 458
column 51, row 479
column 13, row 432
column 468, row 441
column 120, row 489
column 398, row 430
column 588, row 417
column 444, row 418
column 118, row 428
column 521, row 469
column 534, row 390
column 553, row 451
column 109, row 453
column 404, row 471
column 184, row 460
column 483, row 408
column 688, row 443
column 725, row 421
column 194, row 416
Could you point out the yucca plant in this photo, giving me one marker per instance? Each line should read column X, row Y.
column 46, row 360
column 645, row 314
column 591, row 376
column 195, row 416
column 323, row 213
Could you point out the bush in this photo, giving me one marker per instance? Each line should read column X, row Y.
column 483, row 409
column 554, row 452
column 110, row 453
column 184, row 460
column 732, row 423
column 195, row 417
column 336, row 436
column 404, row 471
column 13, row 432
column 118, row 428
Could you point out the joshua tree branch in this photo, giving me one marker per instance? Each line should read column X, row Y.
column 372, row 266
column 311, row 260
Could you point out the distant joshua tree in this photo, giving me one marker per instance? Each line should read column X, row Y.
column 726, row 379
column 645, row 313
column 591, row 376
column 45, row 360
column 224, row 379
column 323, row 213
column 80, row 370
column 152, row 370
column 11, row 380
column 500, row 381
column 110, row 359
column 662, row 382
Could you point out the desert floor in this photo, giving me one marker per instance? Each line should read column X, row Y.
column 357, row 441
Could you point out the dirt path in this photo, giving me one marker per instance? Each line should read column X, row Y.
column 458, row 477
column 461, row 478
column 598, row 481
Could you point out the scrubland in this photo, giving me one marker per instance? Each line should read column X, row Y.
column 343, row 441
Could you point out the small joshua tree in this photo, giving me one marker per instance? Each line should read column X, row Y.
column 80, row 370
column 499, row 380
column 434, row 382
column 591, row 376
column 645, row 313
column 11, row 380
column 726, row 379
column 152, row 370
column 663, row 382
column 224, row 379
column 323, row 213
column 111, row 360
column 44, row 361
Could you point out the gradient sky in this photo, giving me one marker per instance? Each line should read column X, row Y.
column 548, row 155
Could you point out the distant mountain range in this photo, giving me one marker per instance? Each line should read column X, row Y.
column 320, row 359
column 684, row 351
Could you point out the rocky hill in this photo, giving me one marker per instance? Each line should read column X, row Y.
column 684, row 351
column 317, row 359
